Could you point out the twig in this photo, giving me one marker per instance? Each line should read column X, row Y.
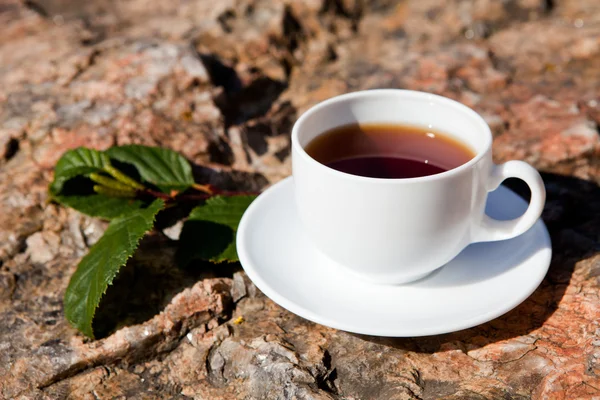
column 193, row 196
column 154, row 193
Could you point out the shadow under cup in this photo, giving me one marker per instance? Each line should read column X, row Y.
column 392, row 230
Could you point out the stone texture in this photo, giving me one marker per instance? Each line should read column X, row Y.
column 222, row 82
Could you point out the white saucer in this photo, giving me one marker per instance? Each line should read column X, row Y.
column 483, row 282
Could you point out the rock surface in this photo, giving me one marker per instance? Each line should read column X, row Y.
column 222, row 82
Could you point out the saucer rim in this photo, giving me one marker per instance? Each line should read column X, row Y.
column 281, row 300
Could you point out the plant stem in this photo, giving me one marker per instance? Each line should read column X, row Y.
column 112, row 192
column 110, row 182
column 193, row 196
column 121, row 177
column 203, row 188
column 213, row 190
column 154, row 193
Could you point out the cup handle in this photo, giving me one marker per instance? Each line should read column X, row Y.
column 492, row 229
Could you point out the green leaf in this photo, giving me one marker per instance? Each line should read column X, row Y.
column 99, row 205
column 99, row 267
column 165, row 168
column 80, row 161
column 87, row 162
column 209, row 232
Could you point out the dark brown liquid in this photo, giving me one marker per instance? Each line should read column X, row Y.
column 388, row 151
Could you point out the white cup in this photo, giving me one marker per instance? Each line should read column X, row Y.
column 399, row 230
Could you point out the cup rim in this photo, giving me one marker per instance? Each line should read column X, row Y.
column 404, row 93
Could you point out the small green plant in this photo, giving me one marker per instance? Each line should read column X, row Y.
column 129, row 186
